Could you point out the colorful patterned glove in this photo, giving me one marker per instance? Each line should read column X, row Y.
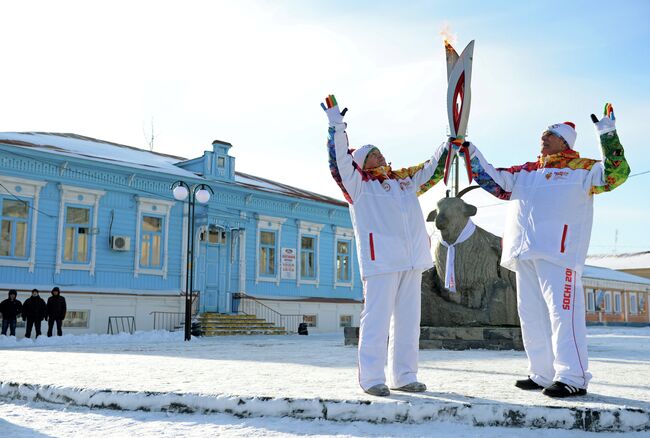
column 607, row 123
column 331, row 108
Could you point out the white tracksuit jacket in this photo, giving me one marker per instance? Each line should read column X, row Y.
column 551, row 208
column 386, row 215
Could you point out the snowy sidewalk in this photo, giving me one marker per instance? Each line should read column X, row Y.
column 315, row 377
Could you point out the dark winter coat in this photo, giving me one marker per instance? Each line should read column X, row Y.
column 10, row 309
column 34, row 308
column 56, row 307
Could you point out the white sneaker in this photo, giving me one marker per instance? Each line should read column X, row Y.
column 380, row 390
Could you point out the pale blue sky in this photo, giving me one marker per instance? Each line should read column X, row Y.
column 254, row 72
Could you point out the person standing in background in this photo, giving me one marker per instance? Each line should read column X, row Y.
column 56, row 309
column 10, row 309
column 34, row 310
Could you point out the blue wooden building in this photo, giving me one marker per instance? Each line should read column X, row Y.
column 98, row 219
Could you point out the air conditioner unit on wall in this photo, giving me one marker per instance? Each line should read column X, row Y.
column 120, row 243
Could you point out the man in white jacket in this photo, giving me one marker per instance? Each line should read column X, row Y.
column 392, row 249
column 545, row 241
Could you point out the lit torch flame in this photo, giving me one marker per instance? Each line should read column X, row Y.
column 448, row 37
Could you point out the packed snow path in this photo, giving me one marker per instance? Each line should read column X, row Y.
column 314, row 377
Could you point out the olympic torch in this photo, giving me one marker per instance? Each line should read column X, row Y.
column 459, row 98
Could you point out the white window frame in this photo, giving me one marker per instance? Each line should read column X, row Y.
column 308, row 229
column 29, row 189
column 68, row 319
column 154, row 207
column 634, row 308
column 591, row 300
column 351, row 321
column 618, row 303
column 347, row 234
column 78, row 196
column 315, row 315
column 75, row 240
column 268, row 223
column 608, row 302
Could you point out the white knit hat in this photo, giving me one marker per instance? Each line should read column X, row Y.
column 566, row 130
column 359, row 156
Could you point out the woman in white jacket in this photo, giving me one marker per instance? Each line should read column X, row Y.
column 392, row 248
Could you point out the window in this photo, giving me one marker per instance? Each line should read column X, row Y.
column 13, row 228
column 633, row 304
column 310, row 320
column 345, row 321
column 608, row 302
column 76, row 235
column 343, row 261
column 152, row 241
column 307, row 257
column 269, row 237
column 19, row 197
column 600, row 301
column 641, row 302
column 215, row 235
column 308, row 244
column 591, row 302
column 617, row 302
column 151, row 235
column 76, row 319
column 221, row 161
column 267, row 253
column 342, row 258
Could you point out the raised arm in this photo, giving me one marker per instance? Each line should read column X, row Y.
column 345, row 171
column 426, row 175
column 614, row 169
column 497, row 181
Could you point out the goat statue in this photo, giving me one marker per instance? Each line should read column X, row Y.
column 481, row 292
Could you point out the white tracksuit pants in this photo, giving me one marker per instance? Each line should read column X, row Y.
column 551, row 306
column 390, row 326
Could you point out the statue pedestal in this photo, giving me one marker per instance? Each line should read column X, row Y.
column 459, row 338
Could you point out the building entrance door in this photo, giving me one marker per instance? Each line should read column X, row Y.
column 212, row 272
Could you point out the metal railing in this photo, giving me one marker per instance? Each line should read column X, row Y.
column 170, row 321
column 247, row 305
column 120, row 324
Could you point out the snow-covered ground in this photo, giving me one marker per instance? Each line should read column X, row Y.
column 305, row 377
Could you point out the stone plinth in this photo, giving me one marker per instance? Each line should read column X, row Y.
column 459, row 338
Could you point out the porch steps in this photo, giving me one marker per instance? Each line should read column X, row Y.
column 217, row 324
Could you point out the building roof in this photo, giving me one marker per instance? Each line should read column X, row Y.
column 600, row 273
column 275, row 187
column 74, row 145
column 635, row 260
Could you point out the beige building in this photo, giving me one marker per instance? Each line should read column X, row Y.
column 615, row 297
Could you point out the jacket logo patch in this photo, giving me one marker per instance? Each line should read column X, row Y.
column 386, row 186
column 561, row 175
column 404, row 185
column 548, row 175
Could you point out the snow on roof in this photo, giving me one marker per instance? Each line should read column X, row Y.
column 636, row 260
column 74, row 145
column 600, row 273
column 275, row 187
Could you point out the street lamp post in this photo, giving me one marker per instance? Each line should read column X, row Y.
column 200, row 193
